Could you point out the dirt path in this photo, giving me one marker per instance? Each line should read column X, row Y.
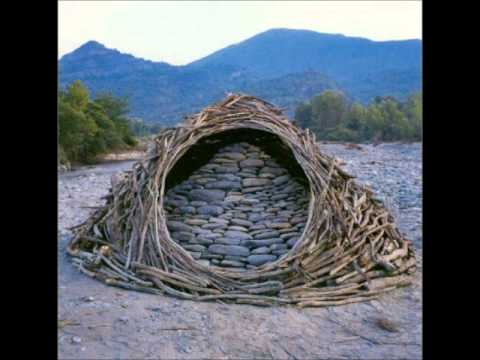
column 102, row 322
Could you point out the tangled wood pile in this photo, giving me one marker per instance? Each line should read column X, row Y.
column 350, row 249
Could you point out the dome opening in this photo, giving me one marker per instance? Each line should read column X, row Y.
column 237, row 199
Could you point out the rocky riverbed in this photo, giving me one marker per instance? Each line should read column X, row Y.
column 101, row 322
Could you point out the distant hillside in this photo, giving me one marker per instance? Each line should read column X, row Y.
column 363, row 67
column 282, row 66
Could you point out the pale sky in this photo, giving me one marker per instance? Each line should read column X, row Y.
column 179, row 32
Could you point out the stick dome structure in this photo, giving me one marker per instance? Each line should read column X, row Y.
column 350, row 249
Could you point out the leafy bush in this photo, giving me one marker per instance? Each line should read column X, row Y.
column 88, row 128
column 331, row 117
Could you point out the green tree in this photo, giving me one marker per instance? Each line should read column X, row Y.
column 384, row 119
column 77, row 95
column 76, row 132
column 116, row 108
column 303, row 115
column 88, row 128
column 413, row 109
column 328, row 110
column 353, row 123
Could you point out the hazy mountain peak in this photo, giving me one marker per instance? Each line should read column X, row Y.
column 91, row 44
column 284, row 66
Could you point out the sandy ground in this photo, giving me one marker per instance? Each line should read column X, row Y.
column 101, row 322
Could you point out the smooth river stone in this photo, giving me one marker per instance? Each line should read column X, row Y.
column 182, row 236
column 233, row 155
column 207, row 255
column 203, row 240
column 255, row 182
column 241, row 222
column 267, row 234
column 259, row 231
column 254, row 217
column 199, row 231
column 249, row 170
column 221, row 161
column 227, row 241
column 274, row 171
column 207, row 195
column 234, row 198
column 229, row 177
column 260, row 259
column 210, row 210
column 212, row 226
column 186, row 210
column 251, row 163
column 281, row 180
column 233, row 250
column 202, row 217
column 237, row 235
column 282, row 225
column 237, row 228
column 285, row 231
column 279, row 197
column 196, row 222
column 261, row 250
column 298, row 220
column 178, row 226
column 196, row 248
column 198, row 203
column 258, row 227
column 223, row 185
column 236, row 258
column 239, row 215
column 227, row 169
column 211, row 236
column 235, row 192
column 278, row 246
column 249, row 201
column 204, row 180
column 285, row 213
column 218, row 220
column 252, row 189
column 232, row 263
column 260, row 243
column 243, row 208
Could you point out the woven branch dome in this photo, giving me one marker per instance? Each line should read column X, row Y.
column 350, row 249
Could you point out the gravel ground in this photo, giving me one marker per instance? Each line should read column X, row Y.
column 101, row 322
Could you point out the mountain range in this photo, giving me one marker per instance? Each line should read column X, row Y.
column 282, row 66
